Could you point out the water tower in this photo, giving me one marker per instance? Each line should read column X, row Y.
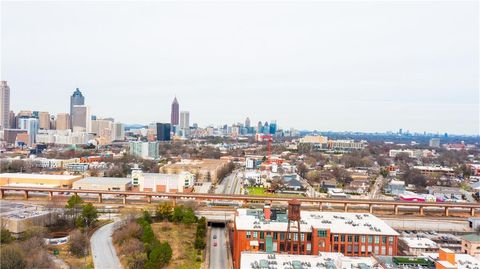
column 293, row 228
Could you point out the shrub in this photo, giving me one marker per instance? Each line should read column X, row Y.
column 6, row 236
column 11, row 257
column 78, row 243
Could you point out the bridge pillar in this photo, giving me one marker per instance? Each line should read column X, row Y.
column 100, row 198
column 149, row 199
column 395, row 209
column 25, row 194
column 345, row 207
column 320, row 206
column 50, row 195
column 370, row 208
column 446, row 211
column 2, row 194
column 124, row 199
column 472, row 212
column 420, row 210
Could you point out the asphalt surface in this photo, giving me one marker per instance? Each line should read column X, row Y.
column 103, row 252
column 230, row 184
column 218, row 254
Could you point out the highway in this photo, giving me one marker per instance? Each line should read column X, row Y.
column 218, row 254
column 103, row 252
column 230, row 184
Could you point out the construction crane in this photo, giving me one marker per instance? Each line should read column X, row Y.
column 269, row 139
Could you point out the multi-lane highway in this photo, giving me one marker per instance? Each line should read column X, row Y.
column 231, row 184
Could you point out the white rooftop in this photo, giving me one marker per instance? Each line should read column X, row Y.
column 261, row 260
column 37, row 176
column 337, row 222
column 104, row 180
column 419, row 242
column 464, row 261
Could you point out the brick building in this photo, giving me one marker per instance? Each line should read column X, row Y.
column 352, row 234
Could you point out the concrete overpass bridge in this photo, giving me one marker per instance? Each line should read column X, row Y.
column 320, row 203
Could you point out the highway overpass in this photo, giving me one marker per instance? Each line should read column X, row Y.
column 395, row 206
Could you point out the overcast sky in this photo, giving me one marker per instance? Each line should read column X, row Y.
column 359, row 66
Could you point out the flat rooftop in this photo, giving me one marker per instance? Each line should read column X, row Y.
column 104, row 180
column 337, row 222
column 419, row 242
column 38, row 176
column 464, row 261
column 329, row 260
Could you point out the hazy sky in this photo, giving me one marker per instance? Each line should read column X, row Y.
column 365, row 66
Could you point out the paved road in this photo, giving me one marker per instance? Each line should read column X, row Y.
column 376, row 188
column 103, row 252
column 230, row 184
column 218, row 254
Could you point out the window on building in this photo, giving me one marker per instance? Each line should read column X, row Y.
column 349, row 238
column 248, row 234
column 295, row 237
column 335, row 238
column 342, row 238
column 321, row 244
column 282, row 236
column 377, row 239
column 322, row 233
column 302, row 236
column 255, row 235
column 370, row 239
column 275, row 236
column 309, row 237
column 384, row 239
column 282, row 246
column 261, row 246
column 363, row 238
column 390, row 239
column 262, row 235
column 356, row 238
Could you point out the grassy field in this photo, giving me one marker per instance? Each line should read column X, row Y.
column 181, row 238
column 261, row 191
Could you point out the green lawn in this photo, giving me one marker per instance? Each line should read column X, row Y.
column 261, row 191
column 257, row 191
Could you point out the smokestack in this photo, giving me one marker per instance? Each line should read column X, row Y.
column 267, row 212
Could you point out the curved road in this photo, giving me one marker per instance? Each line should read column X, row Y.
column 103, row 252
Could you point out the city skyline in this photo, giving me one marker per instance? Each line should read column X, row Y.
column 306, row 76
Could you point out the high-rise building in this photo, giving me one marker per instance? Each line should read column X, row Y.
column 434, row 143
column 13, row 120
column 174, row 114
column 77, row 99
column 163, row 131
column 63, row 121
column 4, row 105
column 44, row 120
column 118, row 131
column 247, row 122
column 273, row 127
column 184, row 120
column 103, row 129
column 81, row 119
column 259, row 127
column 144, row 149
column 31, row 125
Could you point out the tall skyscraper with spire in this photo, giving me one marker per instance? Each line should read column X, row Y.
column 4, row 105
column 77, row 99
column 174, row 117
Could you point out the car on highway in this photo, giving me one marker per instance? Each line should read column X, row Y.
column 214, row 236
column 214, row 244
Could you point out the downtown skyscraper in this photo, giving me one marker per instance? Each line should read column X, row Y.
column 174, row 117
column 4, row 105
column 77, row 99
